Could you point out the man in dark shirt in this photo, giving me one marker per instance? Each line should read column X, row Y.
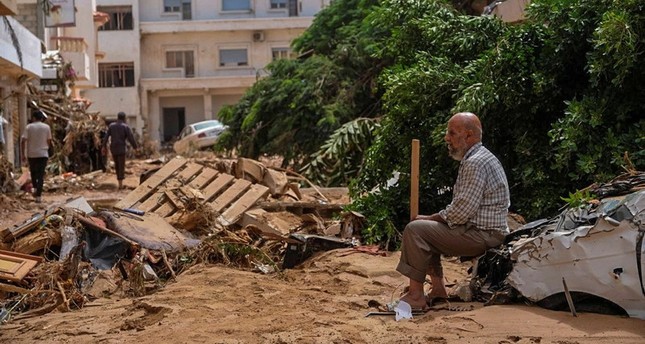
column 119, row 132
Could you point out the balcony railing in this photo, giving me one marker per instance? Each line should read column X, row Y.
column 74, row 51
column 70, row 44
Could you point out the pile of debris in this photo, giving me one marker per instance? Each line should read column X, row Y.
column 76, row 132
column 236, row 212
column 6, row 176
column 590, row 257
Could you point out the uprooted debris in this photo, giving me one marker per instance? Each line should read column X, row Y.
column 76, row 132
column 183, row 214
column 588, row 258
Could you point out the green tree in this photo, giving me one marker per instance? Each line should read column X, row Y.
column 555, row 108
column 560, row 98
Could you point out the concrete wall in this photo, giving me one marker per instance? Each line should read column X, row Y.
column 31, row 17
column 219, row 101
column 208, row 31
column 119, row 46
column 206, row 46
column 212, row 9
column 29, row 47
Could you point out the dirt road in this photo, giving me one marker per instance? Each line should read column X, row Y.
column 323, row 301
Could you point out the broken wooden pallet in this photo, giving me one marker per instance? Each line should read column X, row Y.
column 165, row 191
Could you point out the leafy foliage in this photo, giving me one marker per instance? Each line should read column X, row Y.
column 556, row 108
column 339, row 159
column 295, row 110
column 559, row 95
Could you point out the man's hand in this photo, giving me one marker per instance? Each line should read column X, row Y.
column 434, row 217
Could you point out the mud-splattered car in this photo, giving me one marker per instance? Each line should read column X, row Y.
column 593, row 255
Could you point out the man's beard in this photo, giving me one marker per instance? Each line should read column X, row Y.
column 456, row 153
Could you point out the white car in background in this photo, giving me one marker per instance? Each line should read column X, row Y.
column 198, row 135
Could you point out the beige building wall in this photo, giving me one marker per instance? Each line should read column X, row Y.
column 119, row 46
column 165, row 94
column 14, row 73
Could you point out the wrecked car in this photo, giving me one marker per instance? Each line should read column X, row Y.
column 590, row 258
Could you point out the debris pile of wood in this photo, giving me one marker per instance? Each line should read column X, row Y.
column 70, row 182
column 232, row 212
column 76, row 133
column 7, row 183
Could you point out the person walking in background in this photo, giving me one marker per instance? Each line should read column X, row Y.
column 118, row 133
column 35, row 144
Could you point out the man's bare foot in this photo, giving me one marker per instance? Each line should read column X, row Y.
column 437, row 293
column 415, row 302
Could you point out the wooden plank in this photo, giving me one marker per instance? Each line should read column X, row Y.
column 15, row 266
column 218, row 184
column 152, row 201
column 271, row 227
column 203, row 178
column 187, row 173
column 414, row 180
column 165, row 209
column 230, row 195
column 171, row 204
column 280, row 206
column 234, row 213
column 158, row 197
column 12, row 233
column 145, row 189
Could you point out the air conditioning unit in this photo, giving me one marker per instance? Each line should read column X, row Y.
column 258, row 36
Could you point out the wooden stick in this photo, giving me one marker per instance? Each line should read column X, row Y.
column 94, row 225
column 62, row 292
column 414, row 180
column 165, row 260
column 567, row 295
column 15, row 289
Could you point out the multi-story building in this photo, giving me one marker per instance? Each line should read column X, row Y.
column 20, row 62
column 173, row 62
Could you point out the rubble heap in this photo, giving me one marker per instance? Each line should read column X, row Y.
column 235, row 212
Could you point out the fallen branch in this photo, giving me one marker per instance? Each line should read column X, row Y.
column 165, row 260
column 62, row 293
column 15, row 289
column 302, row 178
column 38, row 311
column 93, row 225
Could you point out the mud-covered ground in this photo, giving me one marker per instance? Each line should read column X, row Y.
column 323, row 301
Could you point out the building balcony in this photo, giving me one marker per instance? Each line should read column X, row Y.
column 240, row 24
column 28, row 50
column 240, row 80
column 74, row 51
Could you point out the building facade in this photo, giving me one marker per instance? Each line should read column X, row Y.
column 169, row 63
column 20, row 63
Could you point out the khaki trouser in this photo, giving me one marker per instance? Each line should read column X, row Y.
column 424, row 242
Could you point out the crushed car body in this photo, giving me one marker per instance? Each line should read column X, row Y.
column 594, row 253
column 605, row 259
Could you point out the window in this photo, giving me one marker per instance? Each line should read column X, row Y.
column 120, row 18
column 278, row 4
column 116, row 74
column 233, row 57
column 183, row 60
column 236, row 5
column 171, row 6
column 281, row 53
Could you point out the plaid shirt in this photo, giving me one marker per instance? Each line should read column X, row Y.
column 480, row 195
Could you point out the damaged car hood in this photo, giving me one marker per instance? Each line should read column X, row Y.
column 596, row 250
